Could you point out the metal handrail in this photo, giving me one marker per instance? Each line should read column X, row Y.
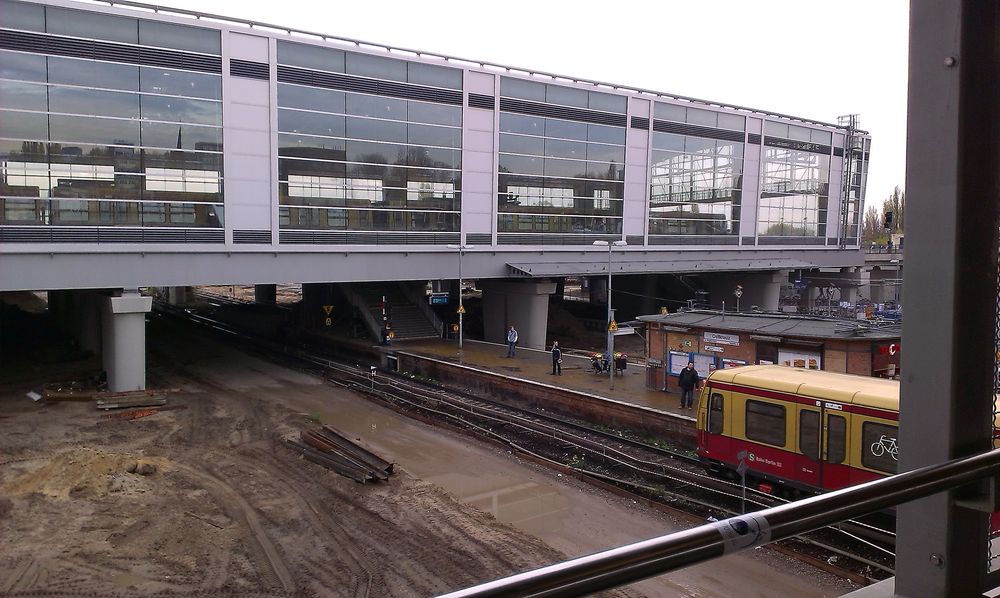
column 638, row 561
column 485, row 64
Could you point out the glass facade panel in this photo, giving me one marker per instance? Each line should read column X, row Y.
column 311, row 57
column 436, row 76
column 566, row 96
column 379, row 130
column 75, row 100
column 436, row 114
column 188, row 137
column 522, row 144
column 91, row 25
column 91, row 73
column 20, row 15
column 181, row 110
column 180, row 83
column 22, row 96
column 608, row 102
column 22, row 67
column 432, row 135
column 311, row 123
column 180, row 37
column 23, row 125
column 376, row 67
column 519, row 123
column 311, row 98
column 376, row 106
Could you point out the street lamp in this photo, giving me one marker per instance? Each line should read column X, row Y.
column 461, row 308
column 611, row 334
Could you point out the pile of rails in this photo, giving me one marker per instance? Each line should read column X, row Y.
column 326, row 447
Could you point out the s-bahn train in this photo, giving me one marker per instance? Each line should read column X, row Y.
column 798, row 431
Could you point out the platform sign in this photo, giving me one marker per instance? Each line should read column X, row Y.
column 438, row 299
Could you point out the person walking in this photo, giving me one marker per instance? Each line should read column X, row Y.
column 556, row 359
column 511, row 341
column 688, row 382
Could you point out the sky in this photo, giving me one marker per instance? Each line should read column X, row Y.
column 805, row 58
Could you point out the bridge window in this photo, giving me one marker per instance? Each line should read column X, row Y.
column 765, row 422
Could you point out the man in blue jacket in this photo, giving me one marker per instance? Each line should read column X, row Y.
column 511, row 341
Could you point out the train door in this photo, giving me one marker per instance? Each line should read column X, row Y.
column 808, row 463
column 836, row 473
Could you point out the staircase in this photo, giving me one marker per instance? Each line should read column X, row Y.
column 407, row 319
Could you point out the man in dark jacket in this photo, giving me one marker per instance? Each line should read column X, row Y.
column 688, row 381
column 556, row 359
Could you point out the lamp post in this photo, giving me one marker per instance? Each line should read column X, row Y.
column 461, row 308
column 611, row 334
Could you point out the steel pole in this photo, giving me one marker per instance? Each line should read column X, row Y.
column 460, row 307
column 611, row 335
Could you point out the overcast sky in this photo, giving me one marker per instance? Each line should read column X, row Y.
column 805, row 58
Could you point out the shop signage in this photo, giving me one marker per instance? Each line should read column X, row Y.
column 718, row 338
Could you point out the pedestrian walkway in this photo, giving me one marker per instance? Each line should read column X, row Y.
column 536, row 365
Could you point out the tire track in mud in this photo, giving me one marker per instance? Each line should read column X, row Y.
column 227, row 495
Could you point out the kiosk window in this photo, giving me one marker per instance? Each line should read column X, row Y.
column 809, row 434
column 715, row 412
column 878, row 447
column 765, row 422
column 836, row 438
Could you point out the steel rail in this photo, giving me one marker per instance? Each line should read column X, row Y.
column 634, row 562
column 484, row 64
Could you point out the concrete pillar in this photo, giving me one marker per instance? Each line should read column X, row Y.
column 522, row 304
column 265, row 294
column 762, row 289
column 177, row 295
column 124, row 340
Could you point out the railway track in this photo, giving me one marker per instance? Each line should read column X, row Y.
column 857, row 550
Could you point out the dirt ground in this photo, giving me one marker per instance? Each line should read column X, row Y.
column 225, row 509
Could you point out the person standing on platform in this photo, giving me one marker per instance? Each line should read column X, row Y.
column 556, row 359
column 511, row 341
column 688, row 382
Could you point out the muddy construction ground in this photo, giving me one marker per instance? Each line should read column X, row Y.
column 205, row 500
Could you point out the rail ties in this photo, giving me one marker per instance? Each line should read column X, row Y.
column 330, row 449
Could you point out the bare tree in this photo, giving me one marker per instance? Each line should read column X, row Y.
column 871, row 229
column 895, row 203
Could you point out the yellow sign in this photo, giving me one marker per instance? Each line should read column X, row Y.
column 328, row 309
column 613, row 327
column 461, row 309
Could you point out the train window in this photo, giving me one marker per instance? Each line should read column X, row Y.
column 809, row 434
column 836, row 439
column 715, row 414
column 765, row 422
column 878, row 447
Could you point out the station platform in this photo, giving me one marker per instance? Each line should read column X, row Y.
column 536, row 366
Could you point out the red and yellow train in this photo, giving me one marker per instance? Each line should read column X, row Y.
column 793, row 430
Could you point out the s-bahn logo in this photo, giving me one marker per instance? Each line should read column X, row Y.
column 885, row 444
column 759, row 459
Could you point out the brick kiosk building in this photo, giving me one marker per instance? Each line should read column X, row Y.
column 715, row 340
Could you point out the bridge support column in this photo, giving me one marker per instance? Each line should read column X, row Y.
column 265, row 294
column 177, row 295
column 124, row 340
column 762, row 289
column 523, row 305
